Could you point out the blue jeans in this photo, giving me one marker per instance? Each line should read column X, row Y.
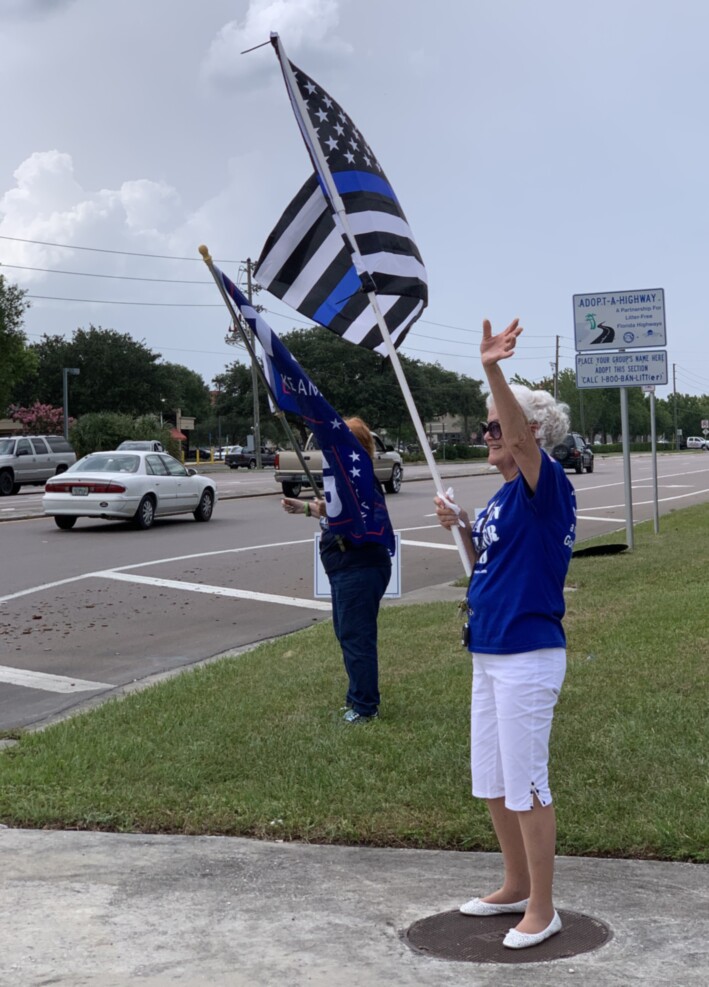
column 356, row 594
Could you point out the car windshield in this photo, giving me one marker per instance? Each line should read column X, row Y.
column 6, row 446
column 106, row 462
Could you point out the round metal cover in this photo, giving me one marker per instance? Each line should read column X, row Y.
column 472, row 939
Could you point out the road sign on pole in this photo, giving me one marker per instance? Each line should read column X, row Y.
column 623, row 369
column 610, row 320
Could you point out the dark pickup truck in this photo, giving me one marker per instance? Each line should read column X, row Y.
column 248, row 459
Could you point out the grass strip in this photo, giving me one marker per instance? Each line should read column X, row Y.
column 254, row 745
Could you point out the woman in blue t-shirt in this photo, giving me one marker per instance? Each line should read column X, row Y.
column 519, row 546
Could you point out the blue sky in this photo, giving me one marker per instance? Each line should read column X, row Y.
column 539, row 150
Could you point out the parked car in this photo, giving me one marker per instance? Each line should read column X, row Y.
column 574, row 453
column 150, row 445
column 128, row 485
column 32, row 459
column 388, row 467
column 696, row 442
column 247, row 458
column 205, row 454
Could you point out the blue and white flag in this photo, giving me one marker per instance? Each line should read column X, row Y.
column 354, row 501
column 308, row 260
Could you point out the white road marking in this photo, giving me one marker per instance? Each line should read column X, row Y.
column 48, row 683
column 430, row 544
column 584, row 517
column 239, row 594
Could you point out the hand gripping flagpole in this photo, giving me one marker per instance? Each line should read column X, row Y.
column 238, row 322
column 322, row 169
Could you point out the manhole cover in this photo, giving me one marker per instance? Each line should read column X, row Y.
column 471, row 939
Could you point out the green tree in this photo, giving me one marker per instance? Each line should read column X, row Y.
column 106, row 429
column 180, row 387
column 16, row 359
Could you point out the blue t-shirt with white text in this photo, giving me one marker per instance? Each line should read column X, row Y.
column 523, row 542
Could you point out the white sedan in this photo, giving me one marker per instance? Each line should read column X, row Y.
column 127, row 485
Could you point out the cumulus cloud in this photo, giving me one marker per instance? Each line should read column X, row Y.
column 48, row 204
column 304, row 26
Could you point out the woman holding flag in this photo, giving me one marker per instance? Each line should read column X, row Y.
column 359, row 575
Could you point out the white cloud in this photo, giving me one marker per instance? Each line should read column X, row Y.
column 302, row 24
column 48, row 204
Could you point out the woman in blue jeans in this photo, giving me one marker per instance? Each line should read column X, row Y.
column 358, row 575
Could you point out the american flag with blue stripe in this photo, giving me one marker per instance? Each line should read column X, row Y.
column 308, row 262
column 354, row 501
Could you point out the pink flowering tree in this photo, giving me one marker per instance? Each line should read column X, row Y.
column 39, row 419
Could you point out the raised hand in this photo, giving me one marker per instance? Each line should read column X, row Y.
column 499, row 347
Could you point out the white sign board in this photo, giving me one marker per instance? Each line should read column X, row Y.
column 621, row 369
column 620, row 319
column 393, row 590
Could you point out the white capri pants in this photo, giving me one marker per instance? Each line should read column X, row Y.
column 512, row 707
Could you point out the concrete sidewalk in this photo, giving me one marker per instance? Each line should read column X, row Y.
column 112, row 910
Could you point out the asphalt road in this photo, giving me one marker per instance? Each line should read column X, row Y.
column 87, row 612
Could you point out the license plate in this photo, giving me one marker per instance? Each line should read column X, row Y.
column 80, row 491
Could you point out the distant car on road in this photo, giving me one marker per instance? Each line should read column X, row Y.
column 32, row 459
column 574, row 453
column 247, row 458
column 696, row 442
column 388, row 467
column 128, row 485
column 149, row 445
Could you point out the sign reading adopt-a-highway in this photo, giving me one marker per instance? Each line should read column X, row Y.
column 621, row 369
column 612, row 320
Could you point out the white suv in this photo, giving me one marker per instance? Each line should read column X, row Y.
column 695, row 442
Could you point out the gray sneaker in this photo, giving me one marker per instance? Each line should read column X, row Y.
column 352, row 716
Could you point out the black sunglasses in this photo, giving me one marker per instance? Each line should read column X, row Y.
column 493, row 428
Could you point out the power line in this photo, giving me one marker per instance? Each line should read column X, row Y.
column 116, row 277
column 108, row 301
column 105, row 250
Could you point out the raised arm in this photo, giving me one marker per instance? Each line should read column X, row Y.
column 518, row 434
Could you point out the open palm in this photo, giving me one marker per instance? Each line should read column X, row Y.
column 494, row 348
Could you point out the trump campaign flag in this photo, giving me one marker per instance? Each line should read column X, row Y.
column 345, row 234
column 354, row 501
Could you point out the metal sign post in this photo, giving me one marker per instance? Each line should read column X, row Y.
column 650, row 389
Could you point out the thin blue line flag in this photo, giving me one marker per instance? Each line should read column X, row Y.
column 308, row 262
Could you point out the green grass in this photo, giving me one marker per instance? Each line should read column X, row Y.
column 253, row 745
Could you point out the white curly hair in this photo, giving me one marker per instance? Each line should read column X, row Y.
column 551, row 416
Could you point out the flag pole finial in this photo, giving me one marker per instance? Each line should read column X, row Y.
column 206, row 257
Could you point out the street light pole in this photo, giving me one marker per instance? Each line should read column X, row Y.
column 74, row 371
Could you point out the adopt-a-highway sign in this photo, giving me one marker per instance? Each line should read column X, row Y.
column 620, row 319
column 632, row 369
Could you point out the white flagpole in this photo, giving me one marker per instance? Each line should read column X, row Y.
column 321, row 167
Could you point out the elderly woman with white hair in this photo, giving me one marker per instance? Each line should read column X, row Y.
column 519, row 546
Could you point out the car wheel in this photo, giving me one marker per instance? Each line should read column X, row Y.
column 7, row 483
column 579, row 466
column 64, row 521
column 15, row 489
column 60, row 469
column 394, row 484
column 232, row 466
column 205, row 506
column 292, row 489
column 589, row 468
column 145, row 515
column 252, row 464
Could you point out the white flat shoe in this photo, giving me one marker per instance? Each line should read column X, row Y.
column 521, row 940
column 477, row 907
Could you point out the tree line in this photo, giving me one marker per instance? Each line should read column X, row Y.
column 123, row 376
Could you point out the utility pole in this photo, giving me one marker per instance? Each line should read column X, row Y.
column 556, row 372
column 254, row 371
column 674, row 396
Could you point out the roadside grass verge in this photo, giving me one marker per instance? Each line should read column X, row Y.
column 254, row 745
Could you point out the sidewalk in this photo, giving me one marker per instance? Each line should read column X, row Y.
column 112, row 910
